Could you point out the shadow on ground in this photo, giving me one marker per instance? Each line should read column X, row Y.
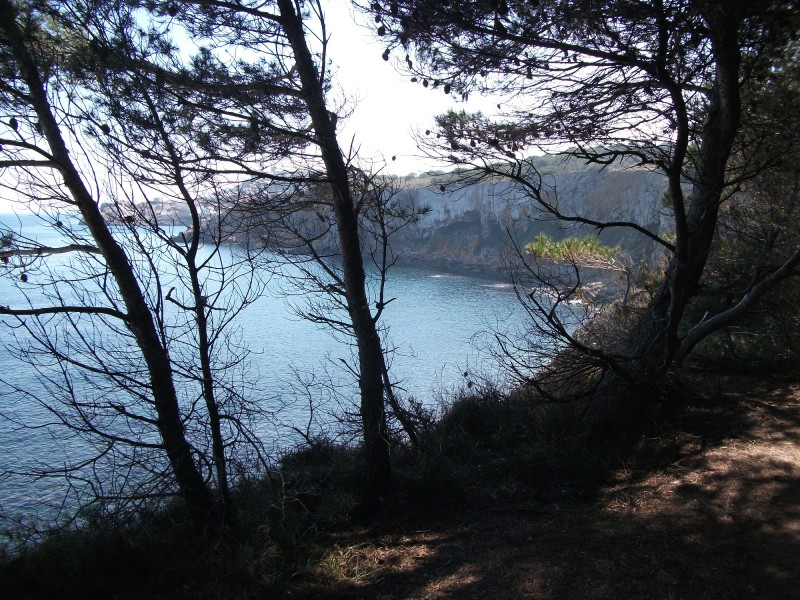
column 709, row 509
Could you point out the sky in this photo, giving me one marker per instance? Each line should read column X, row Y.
column 387, row 107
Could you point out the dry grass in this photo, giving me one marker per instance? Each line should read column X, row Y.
column 708, row 508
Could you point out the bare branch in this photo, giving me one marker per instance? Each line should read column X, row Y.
column 47, row 250
column 54, row 310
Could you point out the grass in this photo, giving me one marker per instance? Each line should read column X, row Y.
column 508, row 499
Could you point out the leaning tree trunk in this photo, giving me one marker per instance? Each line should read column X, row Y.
column 198, row 497
column 695, row 217
column 370, row 350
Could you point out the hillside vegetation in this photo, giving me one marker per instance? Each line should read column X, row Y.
column 699, row 502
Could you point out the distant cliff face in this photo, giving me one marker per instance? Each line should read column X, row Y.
column 473, row 227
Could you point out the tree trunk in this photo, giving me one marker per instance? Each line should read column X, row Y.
column 370, row 351
column 659, row 334
column 198, row 497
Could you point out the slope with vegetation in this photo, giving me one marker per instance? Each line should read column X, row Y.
column 698, row 501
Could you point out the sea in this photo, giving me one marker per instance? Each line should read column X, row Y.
column 439, row 325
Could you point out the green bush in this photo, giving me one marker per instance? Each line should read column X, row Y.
column 489, row 444
column 324, row 478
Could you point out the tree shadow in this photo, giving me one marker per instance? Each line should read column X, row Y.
column 716, row 517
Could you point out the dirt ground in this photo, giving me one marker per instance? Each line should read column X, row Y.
column 710, row 508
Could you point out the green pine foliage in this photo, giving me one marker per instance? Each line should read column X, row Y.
column 577, row 250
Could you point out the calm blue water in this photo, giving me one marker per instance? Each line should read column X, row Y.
column 436, row 325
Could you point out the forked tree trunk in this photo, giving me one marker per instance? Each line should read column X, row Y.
column 370, row 351
column 696, row 217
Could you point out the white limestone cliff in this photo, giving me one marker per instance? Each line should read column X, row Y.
column 472, row 227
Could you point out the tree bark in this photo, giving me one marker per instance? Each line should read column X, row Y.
column 201, row 319
column 370, row 351
column 198, row 497
column 696, row 224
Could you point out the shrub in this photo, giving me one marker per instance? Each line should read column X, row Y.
column 489, row 443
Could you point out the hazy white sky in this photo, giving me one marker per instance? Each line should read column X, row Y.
column 389, row 107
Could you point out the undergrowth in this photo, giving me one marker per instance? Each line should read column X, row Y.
column 485, row 447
